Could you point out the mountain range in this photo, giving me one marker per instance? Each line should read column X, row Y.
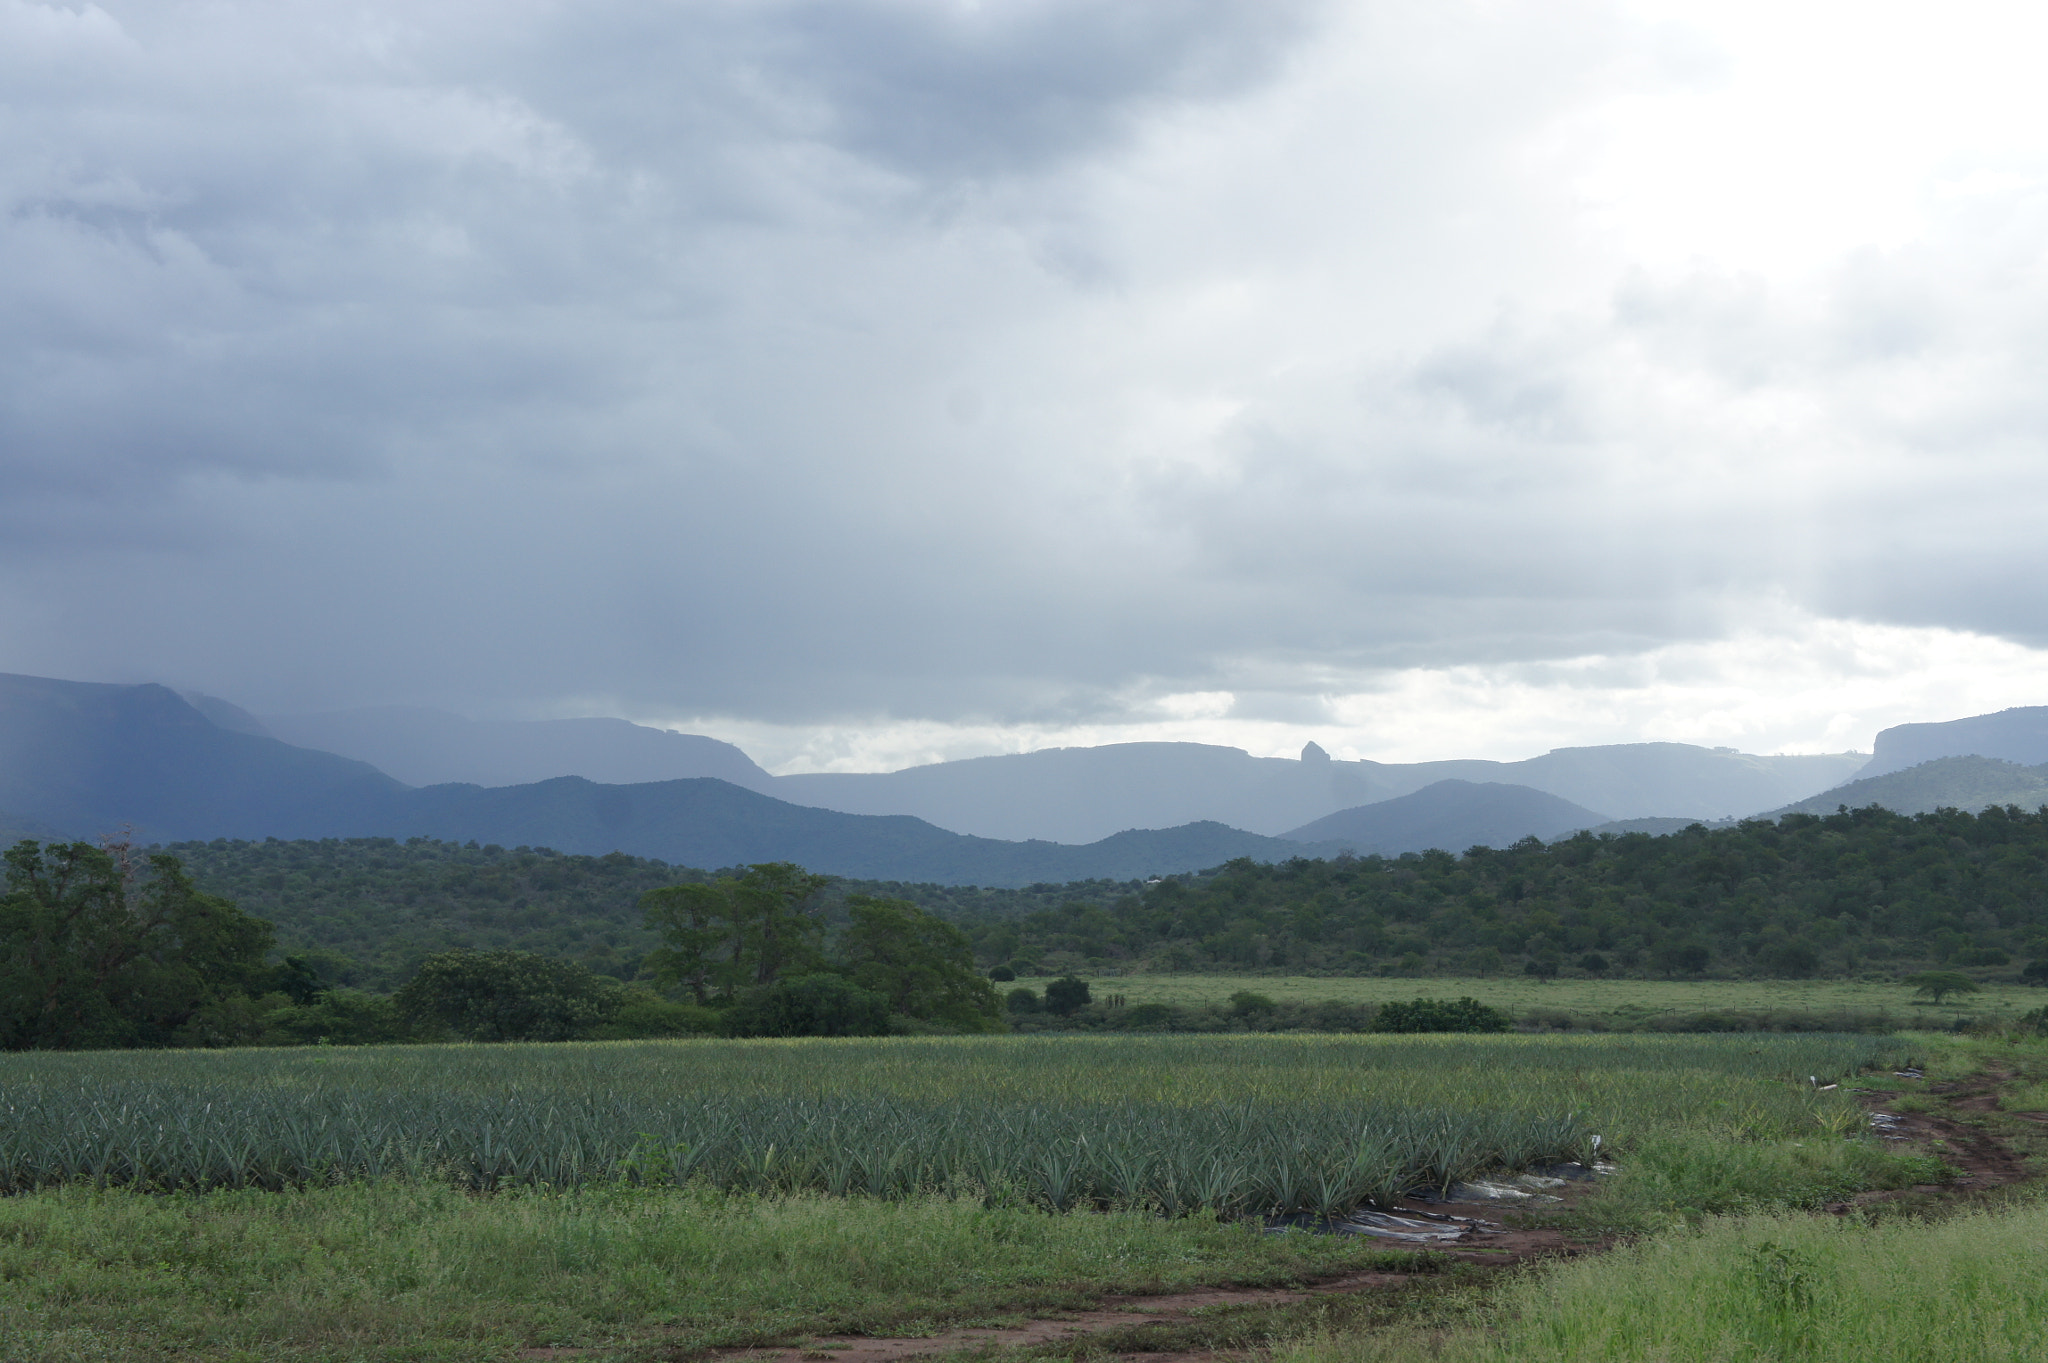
column 1070, row 795
column 82, row 759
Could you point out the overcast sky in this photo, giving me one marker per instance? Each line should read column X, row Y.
column 875, row 381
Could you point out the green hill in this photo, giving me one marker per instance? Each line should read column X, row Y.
column 368, row 910
column 1866, row 891
column 1971, row 783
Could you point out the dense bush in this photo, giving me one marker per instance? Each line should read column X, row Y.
column 1852, row 892
column 506, row 996
column 810, row 1005
column 1440, row 1015
column 1066, row 995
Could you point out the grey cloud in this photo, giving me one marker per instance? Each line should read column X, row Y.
column 996, row 89
column 755, row 359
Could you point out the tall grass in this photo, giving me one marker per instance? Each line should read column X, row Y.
column 1237, row 1125
column 1764, row 1288
column 400, row 1272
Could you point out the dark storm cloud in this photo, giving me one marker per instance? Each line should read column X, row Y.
column 1003, row 362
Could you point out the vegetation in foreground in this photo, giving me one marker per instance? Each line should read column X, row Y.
column 1814, row 1288
column 405, row 1270
column 1239, row 1125
column 1918, row 1281
column 398, row 1268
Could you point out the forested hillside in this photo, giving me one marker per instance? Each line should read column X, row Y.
column 1868, row 890
column 366, row 911
column 1809, row 895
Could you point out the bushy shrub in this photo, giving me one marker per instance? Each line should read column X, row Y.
column 1244, row 1003
column 1067, row 994
column 506, row 996
column 338, row 1017
column 1439, row 1015
column 1024, row 1000
column 1147, row 1015
column 643, row 1013
column 809, row 1005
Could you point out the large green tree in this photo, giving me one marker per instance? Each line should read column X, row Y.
column 923, row 965
column 738, row 932
column 100, row 946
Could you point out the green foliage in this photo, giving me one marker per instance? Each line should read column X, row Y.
column 1439, row 1015
column 1783, row 1286
column 922, row 965
column 364, row 912
column 100, row 949
column 339, row 1017
column 1831, row 896
column 1022, row 999
column 1801, row 897
column 1235, row 1123
column 1936, row 986
column 810, row 1005
column 738, row 931
column 1245, row 1003
column 642, row 1014
column 506, row 996
column 1066, row 995
column 405, row 1272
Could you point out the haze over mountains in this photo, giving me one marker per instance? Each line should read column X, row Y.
column 81, row 759
column 424, row 747
column 1072, row 795
column 1452, row 814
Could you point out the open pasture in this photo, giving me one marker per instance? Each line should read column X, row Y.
column 1621, row 1000
column 1235, row 1124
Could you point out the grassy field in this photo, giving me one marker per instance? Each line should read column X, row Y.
column 1618, row 999
column 397, row 1271
column 1971, row 1289
column 431, row 1260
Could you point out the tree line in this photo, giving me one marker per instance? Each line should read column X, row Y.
column 1858, row 892
column 105, row 946
column 367, row 912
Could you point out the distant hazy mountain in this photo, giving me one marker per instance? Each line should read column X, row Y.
column 2016, row 735
column 80, row 759
column 429, row 747
column 1656, row 828
column 1080, row 794
column 84, row 759
column 229, row 716
column 1452, row 815
column 1969, row 783
column 709, row 823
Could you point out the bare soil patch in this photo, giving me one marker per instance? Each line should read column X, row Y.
column 1983, row 1160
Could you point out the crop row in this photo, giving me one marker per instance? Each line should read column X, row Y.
column 1243, row 1158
